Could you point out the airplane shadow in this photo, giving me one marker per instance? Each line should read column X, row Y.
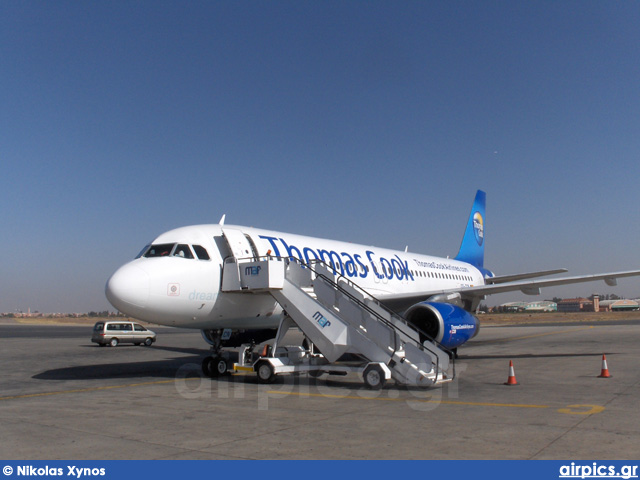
column 190, row 351
column 189, row 365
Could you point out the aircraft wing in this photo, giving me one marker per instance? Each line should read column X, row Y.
column 399, row 302
column 522, row 276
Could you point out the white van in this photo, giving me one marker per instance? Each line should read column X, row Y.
column 113, row 333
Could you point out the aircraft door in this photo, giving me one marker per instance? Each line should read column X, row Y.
column 238, row 242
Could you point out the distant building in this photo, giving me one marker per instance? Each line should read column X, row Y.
column 512, row 307
column 531, row 307
column 618, row 305
column 575, row 305
column 544, row 306
column 570, row 305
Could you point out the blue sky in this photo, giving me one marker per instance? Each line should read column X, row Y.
column 372, row 122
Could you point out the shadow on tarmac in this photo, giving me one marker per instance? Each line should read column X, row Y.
column 154, row 369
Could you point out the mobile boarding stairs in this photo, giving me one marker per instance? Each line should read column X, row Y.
column 338, row 318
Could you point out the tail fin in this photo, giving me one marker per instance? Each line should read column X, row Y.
column 472, row 248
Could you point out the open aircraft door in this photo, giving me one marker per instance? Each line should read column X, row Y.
column 241, row 248
column 238, row 243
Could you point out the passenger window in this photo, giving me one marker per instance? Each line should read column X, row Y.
column 201, row 252
column 183, row 251
column 98, row 327
column 126, row 327
column 139, row 328
column 161, row 250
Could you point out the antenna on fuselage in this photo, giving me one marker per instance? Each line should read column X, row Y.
column 221, row 222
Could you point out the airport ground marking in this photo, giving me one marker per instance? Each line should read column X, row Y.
column 570, row 409
column 581, row 409
column 576, row 409
column 84, row 390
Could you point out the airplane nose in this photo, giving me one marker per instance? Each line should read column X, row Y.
column 128, row 289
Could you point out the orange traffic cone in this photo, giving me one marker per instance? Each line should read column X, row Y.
column 605, row 370
column 512, row 375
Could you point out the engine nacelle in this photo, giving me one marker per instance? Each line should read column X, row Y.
column 447, row 324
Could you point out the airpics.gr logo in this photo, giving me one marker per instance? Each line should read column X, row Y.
column 478, row 228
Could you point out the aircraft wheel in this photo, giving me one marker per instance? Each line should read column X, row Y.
column 207, row 365
column 113, row 342
column 219, row 366
column 374, row 377
column 265, row 372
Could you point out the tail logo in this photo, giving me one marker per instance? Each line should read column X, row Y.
column 478, row 228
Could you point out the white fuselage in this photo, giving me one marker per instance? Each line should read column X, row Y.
column 173, row 289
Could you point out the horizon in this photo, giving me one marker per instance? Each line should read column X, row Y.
column 118, row 313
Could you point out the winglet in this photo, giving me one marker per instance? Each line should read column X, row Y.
column 221, row 222
column 472, row 247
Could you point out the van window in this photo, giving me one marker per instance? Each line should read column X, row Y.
column 119, row 327
column 98, row 327
column 139, row 328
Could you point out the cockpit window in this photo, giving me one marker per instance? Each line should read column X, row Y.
column 143, row 251
column 183, row 251
column 201, row 252
column 161, row 250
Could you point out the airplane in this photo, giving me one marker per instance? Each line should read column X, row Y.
column 177, row 280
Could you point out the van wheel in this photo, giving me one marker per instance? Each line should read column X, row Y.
column 113, row 342
column 148, row 342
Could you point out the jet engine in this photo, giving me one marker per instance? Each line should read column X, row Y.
column 448, row 324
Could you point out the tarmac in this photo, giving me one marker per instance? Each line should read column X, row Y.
column 62, row 397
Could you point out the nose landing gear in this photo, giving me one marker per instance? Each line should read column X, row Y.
column 214, row 366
